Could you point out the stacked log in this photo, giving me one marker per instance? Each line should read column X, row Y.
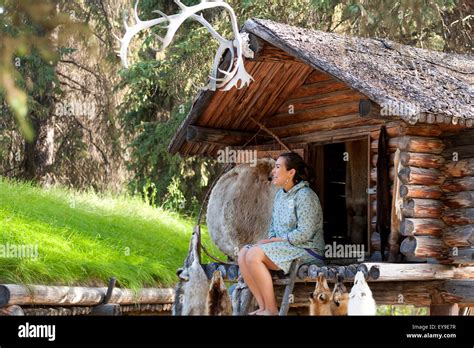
column 136, row 309
column 229, row 272
column 70, row 296
column 458, row 234
column 421, row 178
column 310, row 272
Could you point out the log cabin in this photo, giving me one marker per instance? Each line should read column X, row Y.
column 328, row 97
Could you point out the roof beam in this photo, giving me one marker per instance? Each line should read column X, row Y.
column 265, row 52
column 217, row 136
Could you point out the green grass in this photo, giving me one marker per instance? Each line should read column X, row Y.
column 84, row 238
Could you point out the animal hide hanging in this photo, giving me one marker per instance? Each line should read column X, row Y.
column 218, row 299
column 383, row 191
column 192, row 289
column 396, row 215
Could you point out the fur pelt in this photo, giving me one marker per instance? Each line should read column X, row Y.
column 361, row 301
column 320, row 298
column 218, row 300
column 339, row 298
column 192, row 289
column 240, row 206
column 382, row 225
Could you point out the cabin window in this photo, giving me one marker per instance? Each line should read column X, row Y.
column 342, row 172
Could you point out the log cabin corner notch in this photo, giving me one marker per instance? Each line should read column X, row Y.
column 325, row 94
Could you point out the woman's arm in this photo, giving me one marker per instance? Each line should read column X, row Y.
column 271, row 228
column 271, row 240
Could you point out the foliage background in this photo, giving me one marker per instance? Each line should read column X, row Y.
column 56, row 54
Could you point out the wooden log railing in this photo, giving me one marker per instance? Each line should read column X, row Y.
column 11, row 294
column 377, row 271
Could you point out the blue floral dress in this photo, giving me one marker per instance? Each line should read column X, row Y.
column 298, row 219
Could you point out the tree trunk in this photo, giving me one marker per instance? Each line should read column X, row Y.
column 39, row 154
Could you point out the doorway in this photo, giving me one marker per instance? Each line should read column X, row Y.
column 341, row 183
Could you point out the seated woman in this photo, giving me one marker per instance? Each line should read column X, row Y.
column 296, row 231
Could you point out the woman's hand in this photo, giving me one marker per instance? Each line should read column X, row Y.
column 264, row 241
column 271, row 240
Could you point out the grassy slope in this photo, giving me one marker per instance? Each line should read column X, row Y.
column 84, row 239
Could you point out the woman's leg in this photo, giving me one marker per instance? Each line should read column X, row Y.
column 258, row 265
column 249, row 279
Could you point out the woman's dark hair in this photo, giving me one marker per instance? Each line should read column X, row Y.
column 303, row 171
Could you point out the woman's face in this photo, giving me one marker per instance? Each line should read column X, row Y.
column 281, row 176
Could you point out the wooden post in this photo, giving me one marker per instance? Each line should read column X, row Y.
column 285, row 303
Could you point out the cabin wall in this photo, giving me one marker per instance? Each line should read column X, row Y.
column 419, row 234
column 458, row 234
column 437, row 189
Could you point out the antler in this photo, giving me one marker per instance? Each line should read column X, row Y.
column 234, row 75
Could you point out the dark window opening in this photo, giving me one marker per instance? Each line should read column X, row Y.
column 341, row 183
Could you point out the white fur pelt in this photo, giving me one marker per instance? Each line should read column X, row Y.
column 361, row 301
column 240, row 206
column 195, row 291
column 191, row 290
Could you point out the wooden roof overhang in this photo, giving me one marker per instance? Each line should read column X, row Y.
column 297, row 98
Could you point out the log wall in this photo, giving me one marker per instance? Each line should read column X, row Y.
column 458, row 189
column 437, row 188
column 421, row 178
